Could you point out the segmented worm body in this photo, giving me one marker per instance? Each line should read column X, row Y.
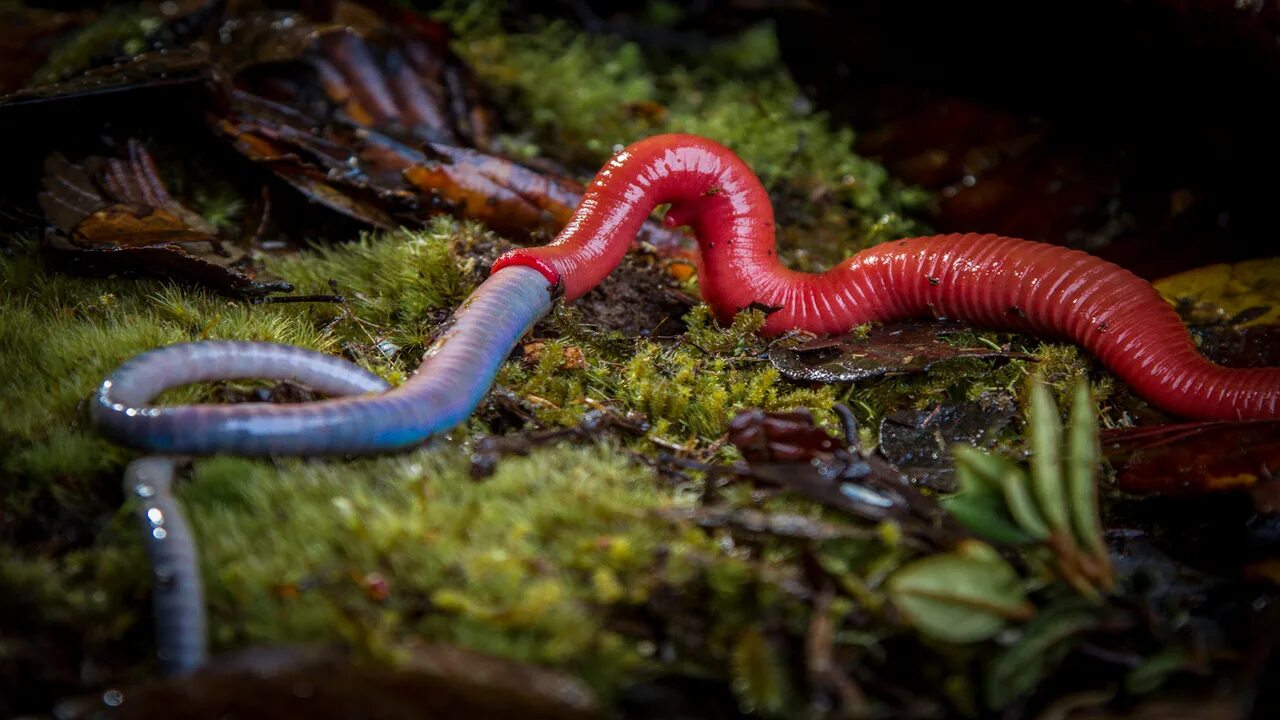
column 986, row 280
column 178, row 592
column 454, row 376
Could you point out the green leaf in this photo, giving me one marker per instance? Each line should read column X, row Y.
column 984, row 513
column 963, row 596
column 986, row 468
column 1046, row 463
column 1083, row 456
column 979, row 469
column 1045, row 641
column 1155, row 671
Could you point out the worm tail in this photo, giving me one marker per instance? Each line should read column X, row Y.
column 177, row 590
column 1000, row 282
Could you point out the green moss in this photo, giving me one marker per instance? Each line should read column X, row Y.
column 120, row 31
column 531, row 563
column 689, row 389
column 538, row 561
column 511, row 565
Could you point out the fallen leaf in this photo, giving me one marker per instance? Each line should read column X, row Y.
column 1193, row 457
column 789, row 450
column 918, row 442
column 1242, row 294
column 375, row 122
column 30, row 34
column 1241, row 347
column 114, row 215
column 961, row 597
column 895, row 349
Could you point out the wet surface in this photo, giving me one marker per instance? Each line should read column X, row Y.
column 894, row 349
column 436, row 681
column 918, row 442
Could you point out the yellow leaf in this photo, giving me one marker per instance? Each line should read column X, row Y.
column 1220, row 292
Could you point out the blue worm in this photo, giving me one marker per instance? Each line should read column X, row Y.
column 455, row 374
column 365, row 416
column 178, row 593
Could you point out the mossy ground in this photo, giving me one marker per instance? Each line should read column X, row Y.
column 542, row 561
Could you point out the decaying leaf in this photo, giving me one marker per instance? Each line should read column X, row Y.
column 962, row 596
column 1194, row 457
column 147, row 71
column 789, row 450
column 1242, row 347
column 894, row 349
column 762, row 524
column 918, row 442
column 114, row 215
column 375, row 123
column 1242, row 294
column 595, row 424
column 30, row 34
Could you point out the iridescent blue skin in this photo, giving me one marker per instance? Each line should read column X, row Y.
column 182, row 644
column 454, row 377
column 365, row 415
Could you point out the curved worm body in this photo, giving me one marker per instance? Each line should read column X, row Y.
column 986, row 280
column 177, row 590
column 454, row 376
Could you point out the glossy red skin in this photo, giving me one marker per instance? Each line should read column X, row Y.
column 987, row 280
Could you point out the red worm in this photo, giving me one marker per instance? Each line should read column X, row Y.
column 987, row 280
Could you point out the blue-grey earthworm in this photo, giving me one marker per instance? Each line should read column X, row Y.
column 177, row 590
column 455, row 374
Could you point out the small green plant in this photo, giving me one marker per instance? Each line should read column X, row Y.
column 1050, row 509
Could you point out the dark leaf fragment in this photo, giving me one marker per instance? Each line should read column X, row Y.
column 918, row 442
column 1194, row 457
column 114, row 215
column 148, row 71
column 383, row 124
column 1242, row 347
column 790, row 451
column 895, row 349
column 595, row 425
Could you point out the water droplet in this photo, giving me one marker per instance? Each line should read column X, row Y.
column 143, row 490
column 857, row 493
column 155, row 516
column 159, row 533
column 112, row 698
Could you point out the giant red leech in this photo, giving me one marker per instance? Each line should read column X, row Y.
column 989, row 281
column 983, row 279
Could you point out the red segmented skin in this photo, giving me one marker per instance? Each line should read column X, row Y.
column 987, row 280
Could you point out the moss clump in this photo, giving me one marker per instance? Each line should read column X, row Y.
column 532, row 563
column 522, row 565
column 689, row 387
